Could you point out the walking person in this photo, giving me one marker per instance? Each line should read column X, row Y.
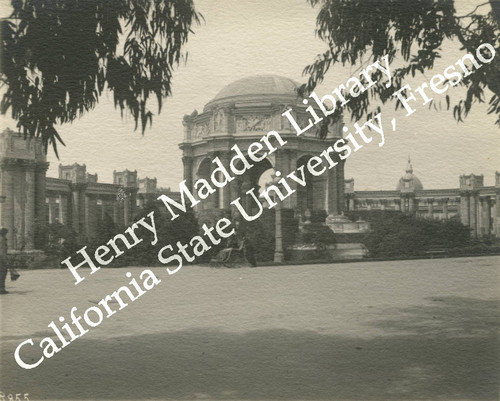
column 3, row 259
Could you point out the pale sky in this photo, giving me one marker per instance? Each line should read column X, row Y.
column 246, row 37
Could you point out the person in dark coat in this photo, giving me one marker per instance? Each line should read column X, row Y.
column 3, row 259
column 248, row 250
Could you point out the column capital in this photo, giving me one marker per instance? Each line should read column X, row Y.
column 42, row 166
column 28, row 164
column 11, row 163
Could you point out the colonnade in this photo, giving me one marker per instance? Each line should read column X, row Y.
column 325, row 192
column 84, row 207
column 23, row 208
column 476, row 205
column 480, row 212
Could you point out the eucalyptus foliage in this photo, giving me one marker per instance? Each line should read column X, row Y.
column 59, row 56
column 359, row 32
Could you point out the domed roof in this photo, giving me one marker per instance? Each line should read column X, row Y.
column 409, row 181
column 258, row 85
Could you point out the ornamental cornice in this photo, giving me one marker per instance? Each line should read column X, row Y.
column 78, row 186
column 8, row 163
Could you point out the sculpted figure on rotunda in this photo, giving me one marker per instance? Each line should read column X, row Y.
column 220, row 121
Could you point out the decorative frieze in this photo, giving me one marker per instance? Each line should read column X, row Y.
column 253, row 123
column 200, row 130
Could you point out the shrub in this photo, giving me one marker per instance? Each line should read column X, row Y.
column 397, row 234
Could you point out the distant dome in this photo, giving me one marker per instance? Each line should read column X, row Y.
column 409, row 181
column 257, row 87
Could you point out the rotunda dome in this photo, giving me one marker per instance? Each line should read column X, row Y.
column 409, row 181
column 257, row 87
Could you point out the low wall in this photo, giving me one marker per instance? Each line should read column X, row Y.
column 349, row 251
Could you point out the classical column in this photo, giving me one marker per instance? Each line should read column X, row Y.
column 126, row 209
column 430, row 208
column 479, row 216
column 282, row 164
column 352, row 204
column 40, row 191
column 90, row 215
column 403, row 204
column 103, row 210
column 473, row 213
column 75, row 212
column 212, row 201
column 340, row 185
column 278, row 247
column 235, row 193
column 485, row 216
column 8, row 205
column 497, row 213
column 52, row 212
column 225, row 192
column 412, row 205
column 116, row 212
column 19, row 203
column 132, row 201
column 445, row 208
column 247, row 199
column 63, row 209
column 77, row 207
column 187, row 162
column 292, row 200
column 464, row 208
column 141, row 201
column 332, row 192
column 488, row 216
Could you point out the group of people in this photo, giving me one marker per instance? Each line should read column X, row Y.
column 237, row 244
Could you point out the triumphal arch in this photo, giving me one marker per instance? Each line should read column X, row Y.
column 243, row 112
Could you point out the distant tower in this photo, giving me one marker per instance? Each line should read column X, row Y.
column 408, row 184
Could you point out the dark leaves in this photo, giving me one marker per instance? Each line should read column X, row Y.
column 58, row 56
column 360, row 31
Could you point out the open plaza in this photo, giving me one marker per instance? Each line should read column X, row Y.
column 398, row 330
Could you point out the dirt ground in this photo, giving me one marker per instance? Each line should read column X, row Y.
column 402, row 330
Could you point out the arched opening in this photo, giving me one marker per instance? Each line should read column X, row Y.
column 256, row 178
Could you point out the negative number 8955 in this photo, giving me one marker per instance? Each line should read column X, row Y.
column 12, row 397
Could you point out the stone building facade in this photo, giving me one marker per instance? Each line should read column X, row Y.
column 476, row 205
column 243, row 112
column 23, row 166
column 30, row 200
